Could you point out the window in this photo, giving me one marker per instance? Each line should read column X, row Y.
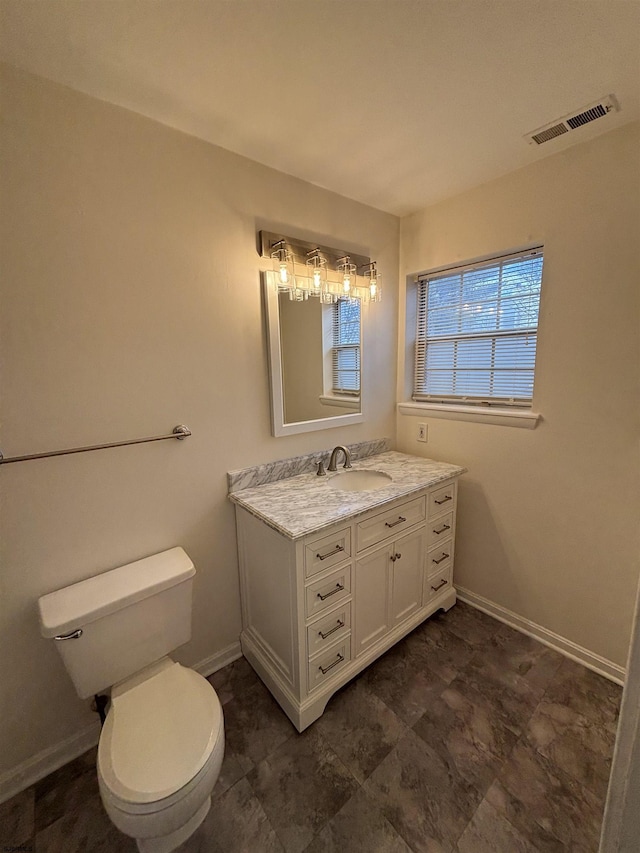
column 346, row 347
column 477, row 332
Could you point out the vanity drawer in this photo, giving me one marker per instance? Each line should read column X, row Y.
column 390, row 523
column 435, row 585
column 442, row 500
column 439, row 558
column 324, row 593
column 327, row 551
column 328, row 629
column 439, row 530
column 326, row 665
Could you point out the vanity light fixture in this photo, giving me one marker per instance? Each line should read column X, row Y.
column 304, row 269
column 317, row 272
column 372, row 276
column 283, row 264
column 348, row 272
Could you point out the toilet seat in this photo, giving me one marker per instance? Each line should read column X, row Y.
column 159, row 737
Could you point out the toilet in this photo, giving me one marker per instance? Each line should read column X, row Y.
column 162, row 742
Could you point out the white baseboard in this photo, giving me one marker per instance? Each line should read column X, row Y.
column 560, row 644
column 212, row 664
column 45, row 762
column 40, row 765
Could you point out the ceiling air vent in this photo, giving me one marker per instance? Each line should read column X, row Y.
column 572, row 121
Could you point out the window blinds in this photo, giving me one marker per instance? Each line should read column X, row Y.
column 477, row 331
column 346, row 347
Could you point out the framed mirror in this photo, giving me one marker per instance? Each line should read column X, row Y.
column 315, row 361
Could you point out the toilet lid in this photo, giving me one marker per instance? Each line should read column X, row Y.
column 159, row 734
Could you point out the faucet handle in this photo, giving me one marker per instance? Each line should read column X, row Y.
column 321, row 472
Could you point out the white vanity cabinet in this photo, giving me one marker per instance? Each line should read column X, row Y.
column 389, row 576
column 318, row 609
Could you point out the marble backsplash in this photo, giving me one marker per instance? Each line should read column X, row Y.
column 282, row 469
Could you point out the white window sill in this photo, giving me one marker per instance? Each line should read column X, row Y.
column 342, row 402
column 514, row 417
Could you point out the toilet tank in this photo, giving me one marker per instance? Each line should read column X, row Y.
column 121, row 620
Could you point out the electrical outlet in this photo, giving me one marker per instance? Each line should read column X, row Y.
column 423, row 432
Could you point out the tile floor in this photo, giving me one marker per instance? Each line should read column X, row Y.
column 466, row 737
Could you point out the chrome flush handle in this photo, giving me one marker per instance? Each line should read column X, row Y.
column 72, row 635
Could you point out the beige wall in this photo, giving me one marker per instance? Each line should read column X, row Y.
column 548, row 518
column 131, row 302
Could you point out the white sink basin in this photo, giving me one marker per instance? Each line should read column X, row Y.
column 359, row 481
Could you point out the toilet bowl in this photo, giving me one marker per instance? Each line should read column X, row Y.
column 162, row 743
column 160, row 754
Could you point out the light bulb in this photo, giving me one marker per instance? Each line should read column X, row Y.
column 284, row 273
column 317, row 279
column 373, row 287
column 346, row 283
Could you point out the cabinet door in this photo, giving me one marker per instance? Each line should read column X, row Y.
column 407, row 561
column 372, row 598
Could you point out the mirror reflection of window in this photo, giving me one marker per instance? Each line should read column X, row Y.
column 305, row 339
column 346, row 348
column 321, row 358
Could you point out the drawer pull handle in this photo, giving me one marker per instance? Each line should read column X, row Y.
column 336, row 550
column 338, row 588
column 401, row 518
column 324, row 670
column 395, row 557
column 444, row 500
column 442, row 583
column 442, row 529
column 335, row 628
column 442, row 559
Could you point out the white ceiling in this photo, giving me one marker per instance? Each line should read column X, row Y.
column 395, row 103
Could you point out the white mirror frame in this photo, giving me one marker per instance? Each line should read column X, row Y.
column 278, row 425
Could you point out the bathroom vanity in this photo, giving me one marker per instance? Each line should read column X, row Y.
column 331, row 578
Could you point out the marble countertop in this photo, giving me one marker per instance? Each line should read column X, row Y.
column 306, row 503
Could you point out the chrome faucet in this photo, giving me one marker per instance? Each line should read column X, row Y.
column 334, row 455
